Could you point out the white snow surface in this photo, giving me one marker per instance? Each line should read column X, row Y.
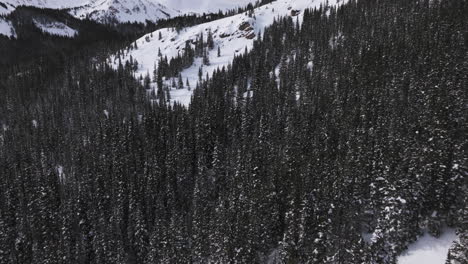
column 124, row 10
column 226, row 34
column 6, row 8
column 6, row 28
column 56, row 28
column 428, row 249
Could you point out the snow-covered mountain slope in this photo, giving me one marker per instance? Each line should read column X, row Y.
column 100, row 10
column 124, row 10
column 6, row 28
column 428, row 249
column 232, row 35
column 46, row 24
column 8, row 6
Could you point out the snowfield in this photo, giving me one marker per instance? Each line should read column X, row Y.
column 233, row 35
column 56, row 28
column 428, row 249
column 6, row 28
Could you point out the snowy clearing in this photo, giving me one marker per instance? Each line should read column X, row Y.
column 56, row 28
column 6, row 28
column 428, row 249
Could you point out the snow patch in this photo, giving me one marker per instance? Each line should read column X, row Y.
column 56, row 28
column 60, row 173
column 428, row 249
column 367, row 237
column 6, row 28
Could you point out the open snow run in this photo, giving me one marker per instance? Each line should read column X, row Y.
column 232, row 34
column 6, row 28
column 56, row 28
column 428, row 249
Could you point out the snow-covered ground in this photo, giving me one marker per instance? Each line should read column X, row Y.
column 6, row 8
column 56, row 28
column 428, row 249
column 6, row 28
column 232, row 34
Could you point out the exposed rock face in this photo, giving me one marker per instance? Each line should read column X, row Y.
column 248, row 30
column 244, row 26
column 251, row 35
column 295, row 12
column 224, row 35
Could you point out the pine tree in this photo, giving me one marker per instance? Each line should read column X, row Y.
column 206, row 58
column 147, row 81
column 210, row 41
column 180, row 82
column 200, row 73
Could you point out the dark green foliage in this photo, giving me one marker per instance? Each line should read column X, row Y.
column 354, row 122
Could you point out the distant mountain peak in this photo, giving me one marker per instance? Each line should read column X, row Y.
column 100, row 10
column 124, row 11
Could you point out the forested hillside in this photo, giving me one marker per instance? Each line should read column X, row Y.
column 353, row 122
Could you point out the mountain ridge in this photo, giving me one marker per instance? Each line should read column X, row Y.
column 100, row 10
column 124, row 11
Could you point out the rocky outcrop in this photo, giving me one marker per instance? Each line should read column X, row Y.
column 244, row 26
column 224, row 35
column 251, row 35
